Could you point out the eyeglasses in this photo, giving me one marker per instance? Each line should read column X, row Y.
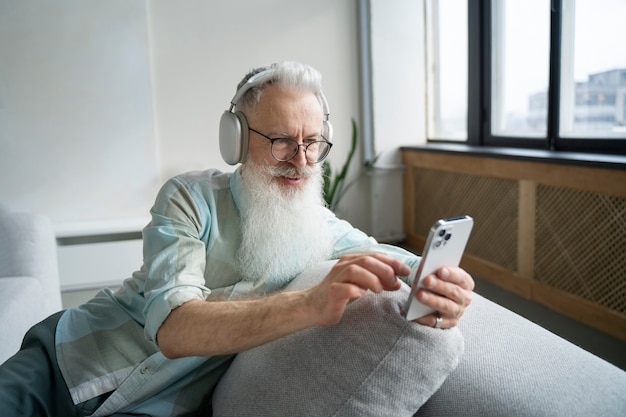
column 285, row 149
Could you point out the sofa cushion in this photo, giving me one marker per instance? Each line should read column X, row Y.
column 513, row 367
column 372, row 363
column 21, row 306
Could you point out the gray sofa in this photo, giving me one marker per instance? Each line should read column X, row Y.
column 509, row 367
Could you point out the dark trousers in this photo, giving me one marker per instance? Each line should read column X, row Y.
column 31, row 383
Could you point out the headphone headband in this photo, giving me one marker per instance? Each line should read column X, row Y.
column 257, row 79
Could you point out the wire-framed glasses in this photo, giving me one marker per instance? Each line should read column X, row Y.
column 285, row 149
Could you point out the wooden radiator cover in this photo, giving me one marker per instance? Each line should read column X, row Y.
column 552, row 233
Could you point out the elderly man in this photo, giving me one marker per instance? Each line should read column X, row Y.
column 216, row 252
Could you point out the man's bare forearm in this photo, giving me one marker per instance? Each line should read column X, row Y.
column 207, row 328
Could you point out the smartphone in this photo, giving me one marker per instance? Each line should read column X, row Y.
column 444, row 247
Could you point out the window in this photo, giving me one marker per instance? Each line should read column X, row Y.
column 520, row 45
column 593, row 67
column 446, row 60
column 545, row 74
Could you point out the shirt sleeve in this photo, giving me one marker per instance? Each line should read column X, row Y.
column 174, row 253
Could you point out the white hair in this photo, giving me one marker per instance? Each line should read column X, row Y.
column 293, row 75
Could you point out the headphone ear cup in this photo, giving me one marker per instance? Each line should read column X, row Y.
column 233, row 137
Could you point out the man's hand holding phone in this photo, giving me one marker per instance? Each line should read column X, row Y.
column 440, row 289
column 447, row 293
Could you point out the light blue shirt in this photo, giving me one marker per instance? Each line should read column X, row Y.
column 108, row 345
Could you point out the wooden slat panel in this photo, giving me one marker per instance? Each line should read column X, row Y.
column 526, row 229
column 569, row 227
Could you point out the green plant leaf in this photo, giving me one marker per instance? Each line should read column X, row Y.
column 334, row 185
column 327, row 173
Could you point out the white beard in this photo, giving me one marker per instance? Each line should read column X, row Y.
column 284, row 230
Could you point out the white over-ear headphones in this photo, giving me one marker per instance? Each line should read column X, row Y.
column 234, row 126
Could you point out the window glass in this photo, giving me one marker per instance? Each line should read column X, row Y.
column 446, row 22
column 593, row 83
column 520, row 67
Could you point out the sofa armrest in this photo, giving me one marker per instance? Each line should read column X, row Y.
column 21, row 307
column 513, row 367
column 28, row 249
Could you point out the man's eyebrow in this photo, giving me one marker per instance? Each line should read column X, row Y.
column 316, row 135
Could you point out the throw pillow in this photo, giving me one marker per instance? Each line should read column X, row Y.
column 373, row 363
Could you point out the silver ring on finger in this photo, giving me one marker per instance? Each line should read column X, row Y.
column 438, row 321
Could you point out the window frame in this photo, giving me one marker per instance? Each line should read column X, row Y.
column 480, row 89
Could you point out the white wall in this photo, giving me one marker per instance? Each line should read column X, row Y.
column 76, row 123
column 201, row 50
column 101, row 101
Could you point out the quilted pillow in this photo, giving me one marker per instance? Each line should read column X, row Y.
column 373, row 363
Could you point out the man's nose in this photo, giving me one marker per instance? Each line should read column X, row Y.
column 300, row 159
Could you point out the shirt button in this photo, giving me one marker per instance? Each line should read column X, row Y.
column 143, row 369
